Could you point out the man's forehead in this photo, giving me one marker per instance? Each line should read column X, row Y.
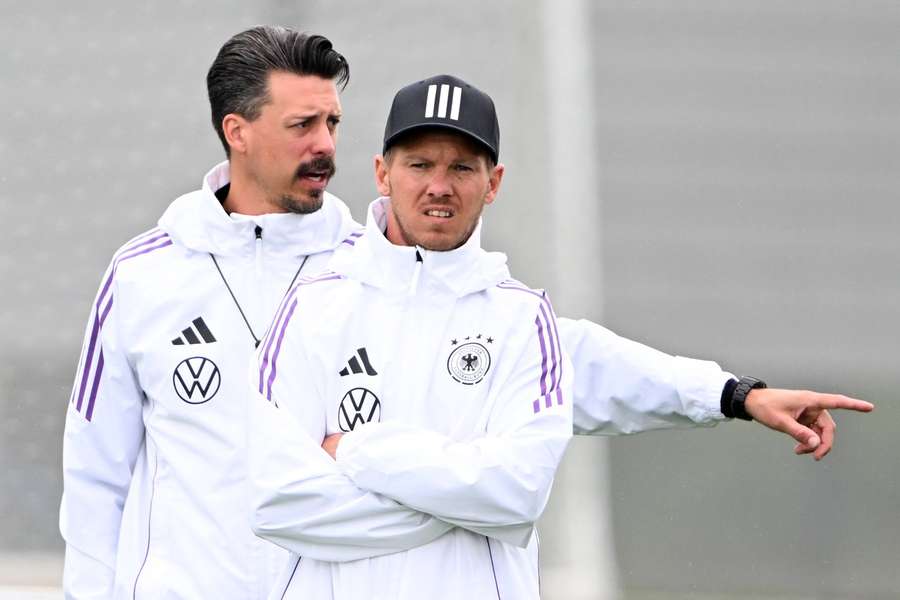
column 306, row 93
column 439, row 140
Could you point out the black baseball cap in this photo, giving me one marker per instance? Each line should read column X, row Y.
column 444, row 101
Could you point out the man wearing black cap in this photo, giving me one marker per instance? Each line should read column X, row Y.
column 438, row 382
column 442, row 388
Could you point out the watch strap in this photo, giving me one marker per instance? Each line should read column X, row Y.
column 742, row 388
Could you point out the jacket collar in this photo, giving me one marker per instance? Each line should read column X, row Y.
column 197, row 221
column 374, row 260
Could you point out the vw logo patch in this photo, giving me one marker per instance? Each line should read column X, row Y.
column 196, row 380
column 358, row 407
column 469, row 363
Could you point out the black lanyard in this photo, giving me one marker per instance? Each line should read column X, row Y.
column 256, row 340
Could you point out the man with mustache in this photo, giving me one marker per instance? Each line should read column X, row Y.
column 155, row 444
column 154, row 452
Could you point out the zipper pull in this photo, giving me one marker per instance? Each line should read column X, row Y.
column 258, row 254
column 414, row 285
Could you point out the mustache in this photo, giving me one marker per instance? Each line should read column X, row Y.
column 323, row 165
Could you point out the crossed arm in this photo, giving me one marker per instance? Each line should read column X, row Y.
column 380, row 497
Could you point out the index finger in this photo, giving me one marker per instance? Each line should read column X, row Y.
column 829, row 401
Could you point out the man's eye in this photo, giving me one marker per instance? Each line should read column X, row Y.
column 463, row 168
column 333, row 121
column 300, row 124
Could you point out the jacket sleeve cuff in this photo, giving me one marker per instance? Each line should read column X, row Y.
column 700, row 384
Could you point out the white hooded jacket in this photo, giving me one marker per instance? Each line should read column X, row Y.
column 154, row 502
column 154, row 465
column 450, row 385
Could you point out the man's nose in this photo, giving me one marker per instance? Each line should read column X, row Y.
column 323, row 142
column 439, row 184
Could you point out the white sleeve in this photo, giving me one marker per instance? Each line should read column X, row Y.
column 498, row 483
column 103, row 436
column 300, row 500
column 622, row 386
column 85, row 578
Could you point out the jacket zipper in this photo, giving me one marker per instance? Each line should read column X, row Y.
column 259, row 268
column 414, row 284
column 259, row 257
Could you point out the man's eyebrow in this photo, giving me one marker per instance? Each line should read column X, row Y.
column 312, row 114
column 419, row 157
column 300, row 116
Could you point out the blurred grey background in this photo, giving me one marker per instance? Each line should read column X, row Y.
column 738, row 167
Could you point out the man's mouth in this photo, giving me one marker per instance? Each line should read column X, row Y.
column 439, row 212
column 316, row 177
column 317, row 171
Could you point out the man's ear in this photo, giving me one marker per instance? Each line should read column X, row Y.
column 494, row 183
column 382, row 175
column 236, row 132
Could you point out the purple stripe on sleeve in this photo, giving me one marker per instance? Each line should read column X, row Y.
column 99, row 372
column 271, row 379
column 144, row 248
column 351, row 239
column 265, row 384
column 133, row 242
column 540, row 328
column 515, row 285
column 121, row 255
column 99, row 317
column 85, row 371
column 552, row 317
column 270, row 336
column 98, row 325
column 546, row 319
column 552, row 343
column 276, row 324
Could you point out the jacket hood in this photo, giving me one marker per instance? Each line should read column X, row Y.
column 372, row 259
column 198, row 221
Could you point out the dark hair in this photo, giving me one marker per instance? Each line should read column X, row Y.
column 237, row 81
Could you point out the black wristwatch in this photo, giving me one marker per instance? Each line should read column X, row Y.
column 735, row 395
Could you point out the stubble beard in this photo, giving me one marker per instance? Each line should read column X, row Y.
column 306, row 206
column 312, row 200
column 412, row 240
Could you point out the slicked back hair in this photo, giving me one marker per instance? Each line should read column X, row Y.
column 237, row 81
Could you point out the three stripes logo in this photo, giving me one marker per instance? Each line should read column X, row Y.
column 357, row 363
column 189, row 335
column 196, row 380
column 443, row 101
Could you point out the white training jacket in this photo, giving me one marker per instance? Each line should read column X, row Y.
column 453, row 392
column 155, row 494
column 155, row 505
